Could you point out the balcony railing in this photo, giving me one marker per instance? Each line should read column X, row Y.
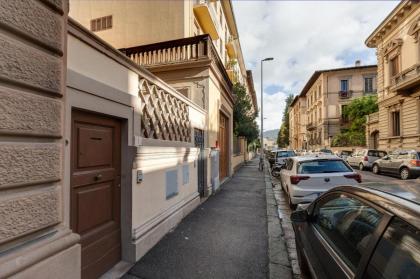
column 345, row 94
column 310, row 126
column 175, row 51
column 407, row 79
column 192, row 49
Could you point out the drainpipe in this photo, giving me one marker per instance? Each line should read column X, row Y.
column 328, row 118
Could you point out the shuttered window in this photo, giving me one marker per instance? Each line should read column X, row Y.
column 102, row 23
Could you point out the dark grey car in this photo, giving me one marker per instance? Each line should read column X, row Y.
column 360, row 232
column 405, row 164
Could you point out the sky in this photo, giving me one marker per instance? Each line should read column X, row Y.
column 303, row 36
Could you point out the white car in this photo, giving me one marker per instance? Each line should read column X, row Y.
column 306, row 178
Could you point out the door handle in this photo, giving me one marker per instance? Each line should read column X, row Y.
column 98, row 177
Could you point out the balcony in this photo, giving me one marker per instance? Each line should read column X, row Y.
column 207, row 19
column 345, row 94
column 310, row 126
column 198, row 49
column 407, row 80
column 231, row 51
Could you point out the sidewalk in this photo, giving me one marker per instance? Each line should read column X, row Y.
column 225, row 237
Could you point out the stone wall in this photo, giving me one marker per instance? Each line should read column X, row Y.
column 32, row 80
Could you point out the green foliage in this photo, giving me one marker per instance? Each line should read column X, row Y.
column 356, row 113
column 283, row 136
column 244, row 123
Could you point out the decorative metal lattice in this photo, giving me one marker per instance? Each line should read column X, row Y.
column 163, row 116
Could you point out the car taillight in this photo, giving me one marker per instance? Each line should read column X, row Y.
column 295, row 179
column 415, row 163
column 366, row 158
column 354, row 176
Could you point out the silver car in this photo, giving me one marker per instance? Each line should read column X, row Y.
column 363, row 159
column 406, row 164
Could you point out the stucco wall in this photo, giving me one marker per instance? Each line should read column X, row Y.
column 109, row 85
column 134, row 22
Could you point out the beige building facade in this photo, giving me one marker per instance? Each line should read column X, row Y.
column 194, row 47
column 297, row 124
column 317, row 110
column 398, row 53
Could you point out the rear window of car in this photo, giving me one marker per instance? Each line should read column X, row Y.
column 376, row 153
column 323, row 166
column 346, row 152
column 283, row 154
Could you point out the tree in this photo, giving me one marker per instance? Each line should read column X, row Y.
column 283, row 136
column 244, row 123
column 356, row 113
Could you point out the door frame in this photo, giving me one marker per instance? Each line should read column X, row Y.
column 222, row 111
column 95, row 103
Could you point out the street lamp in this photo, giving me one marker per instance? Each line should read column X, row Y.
column 261, row 166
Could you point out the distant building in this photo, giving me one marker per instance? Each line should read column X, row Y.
column 396, row 39
column 316, row 114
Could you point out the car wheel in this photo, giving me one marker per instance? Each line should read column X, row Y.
column 303, row 264
column 404, row 174
column 375, row 169
column 361, row 167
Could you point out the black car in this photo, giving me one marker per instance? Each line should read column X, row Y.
column 369, row 231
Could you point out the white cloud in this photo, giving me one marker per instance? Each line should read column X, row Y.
column 303, row 36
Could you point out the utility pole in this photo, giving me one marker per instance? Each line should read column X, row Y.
column 261, row 166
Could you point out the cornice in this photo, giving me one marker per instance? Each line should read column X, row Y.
column 391, row 22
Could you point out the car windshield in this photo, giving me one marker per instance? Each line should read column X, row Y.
column 323, row 166
column 285, row 154
column 326, row 151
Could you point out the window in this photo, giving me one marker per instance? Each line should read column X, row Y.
column 397, row 253
column 102, row 23
column 368, row 84
column 395, row 122
column 344, row 85
column 323, row 166
column 283, row 154
column 347, row 225
column 395, row 66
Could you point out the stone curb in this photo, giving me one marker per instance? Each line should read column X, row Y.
column 279, row 264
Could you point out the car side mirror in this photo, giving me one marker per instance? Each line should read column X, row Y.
column 385, row 158
column 299, row 216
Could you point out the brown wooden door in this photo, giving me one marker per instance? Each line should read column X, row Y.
column 95, row 190
column 223, row 146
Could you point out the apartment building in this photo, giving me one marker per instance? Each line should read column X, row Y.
column 194, row 47
column 396, row 39
column 297, row 123
column 318, row 108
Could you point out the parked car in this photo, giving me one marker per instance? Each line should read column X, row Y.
column 344, row 154
column 406, row 164
column 360, row 232
column 325, row 151
column 363, row 159
column 271, row 156
column 305, row 178
column 282, row 155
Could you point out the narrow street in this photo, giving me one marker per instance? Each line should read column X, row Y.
column 225, row 237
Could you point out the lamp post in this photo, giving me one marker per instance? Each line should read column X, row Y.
column 261, row 166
